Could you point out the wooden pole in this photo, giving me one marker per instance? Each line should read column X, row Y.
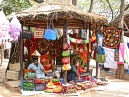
column 28, row 41
column 88, row 58
column 120, row 70
column 65, row 29
column 21, row 55
column 97, row 65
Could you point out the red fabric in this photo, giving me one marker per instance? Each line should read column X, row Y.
column 80, row 70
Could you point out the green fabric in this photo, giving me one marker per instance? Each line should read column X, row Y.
column 100, row 58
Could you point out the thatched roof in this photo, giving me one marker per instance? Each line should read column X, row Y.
column 115, row 22
column 58, row 10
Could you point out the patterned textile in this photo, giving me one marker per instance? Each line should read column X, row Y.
column 16, row 54
column 43, row 46
column 56, row 49
column 77, row 58
column 116, row 53
column 46, row 62
column 111, row 37
column 33, row 45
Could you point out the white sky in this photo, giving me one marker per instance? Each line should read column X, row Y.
column 1, row 0
column 127, row 1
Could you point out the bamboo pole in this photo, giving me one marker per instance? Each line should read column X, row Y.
column 21, row 55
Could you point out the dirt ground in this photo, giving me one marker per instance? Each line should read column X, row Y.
column 116, row 88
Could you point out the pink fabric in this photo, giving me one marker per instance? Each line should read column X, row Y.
column 121, row 54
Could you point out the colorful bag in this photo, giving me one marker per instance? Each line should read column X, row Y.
column 66, row 46
column 66, row 67
column 39, row 33
column 66, row 53
column 66, row 60
column 100, row 58
column 51, row 33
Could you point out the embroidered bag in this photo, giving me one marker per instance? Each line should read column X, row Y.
column 66, row 60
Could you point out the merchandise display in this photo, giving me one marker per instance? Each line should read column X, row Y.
column 111, row 37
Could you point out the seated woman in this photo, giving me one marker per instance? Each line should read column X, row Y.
column 80, row 70
column 73, row 72
column 38, row 69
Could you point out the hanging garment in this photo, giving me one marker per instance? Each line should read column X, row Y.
column 68, row 39
column 82, row 33
column 100, row 40
column 121, row 54
column 126, row 53
column 110, row 63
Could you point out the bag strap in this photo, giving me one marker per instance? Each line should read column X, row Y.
column 51, row 24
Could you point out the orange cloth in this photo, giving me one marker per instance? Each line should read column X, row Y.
column 80, row 70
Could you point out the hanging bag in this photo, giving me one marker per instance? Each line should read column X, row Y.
column 26, row 34
column 100, row 56
column 66, row 53
column 50, row 33
column 66, row 60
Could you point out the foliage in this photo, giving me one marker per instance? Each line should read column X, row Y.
column 101, row 7
column 10, row 6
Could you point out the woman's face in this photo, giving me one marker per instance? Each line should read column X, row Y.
column 77, row 64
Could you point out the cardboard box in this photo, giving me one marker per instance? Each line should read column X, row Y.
column 12, row 75
column 14, row 67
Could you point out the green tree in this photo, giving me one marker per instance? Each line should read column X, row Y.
column 9, row 6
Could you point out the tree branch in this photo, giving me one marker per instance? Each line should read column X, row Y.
column 122, row 9
column 91, row 6
column 127, row 7
column 110, row 8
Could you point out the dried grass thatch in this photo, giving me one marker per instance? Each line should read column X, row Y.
column 115, row 22
column 58, row 10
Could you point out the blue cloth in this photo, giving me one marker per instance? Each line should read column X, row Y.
column 128, row 45
column 101, row 50
column 99, row 36
column 100, row 39
column 71, row 77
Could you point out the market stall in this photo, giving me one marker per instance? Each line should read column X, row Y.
column 56, row 51
column 122, row 71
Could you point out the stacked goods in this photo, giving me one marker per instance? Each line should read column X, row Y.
column 41, row 81
column 73, row 88
column 54, row 86
column 28, row 86
column 40, row 84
